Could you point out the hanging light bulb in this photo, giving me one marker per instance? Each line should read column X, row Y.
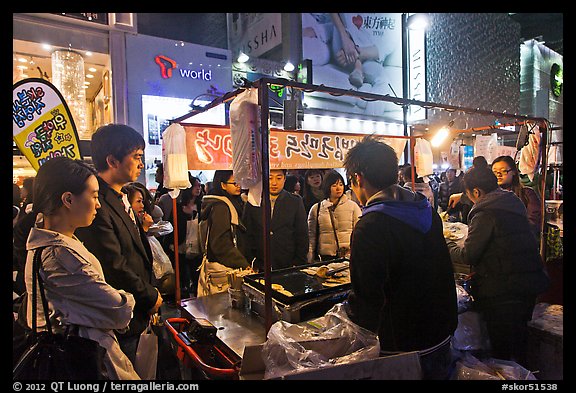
column 243, row 57
column 288, row 67
column 441, row 134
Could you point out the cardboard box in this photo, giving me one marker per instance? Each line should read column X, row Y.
column 397, row 367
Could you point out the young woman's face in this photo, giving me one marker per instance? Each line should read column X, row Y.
column 231, row 187
column 314, row 180
column 297, row 188
column 83, row 207
column 137, row 202
column 503, row 173
column 337, row 189
column 196, row 188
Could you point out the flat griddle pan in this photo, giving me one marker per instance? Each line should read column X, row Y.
column 302, row 285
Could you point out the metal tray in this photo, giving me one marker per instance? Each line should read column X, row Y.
column 302, row 285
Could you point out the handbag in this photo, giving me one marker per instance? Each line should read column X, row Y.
column 147, row 353
column 57, row 356
column 213, row 275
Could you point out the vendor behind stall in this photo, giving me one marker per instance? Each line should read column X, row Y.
column 508, row 272
column 402, row 281
column 288, row 227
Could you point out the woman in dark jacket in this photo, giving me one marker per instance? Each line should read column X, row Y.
column 504, row 168
column 225, row 236
column 312, row 188
column 508, row 271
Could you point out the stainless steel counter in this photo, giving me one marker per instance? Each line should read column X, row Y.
column 237, row 328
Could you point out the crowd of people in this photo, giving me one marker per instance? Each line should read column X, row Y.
column 93, row 225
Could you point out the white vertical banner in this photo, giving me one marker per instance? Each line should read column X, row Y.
column 487, row 146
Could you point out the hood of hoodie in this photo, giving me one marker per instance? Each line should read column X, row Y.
column 499, row 199
column 411, row 208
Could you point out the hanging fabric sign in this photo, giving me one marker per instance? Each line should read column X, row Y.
column 210, row 147
column 42, row 125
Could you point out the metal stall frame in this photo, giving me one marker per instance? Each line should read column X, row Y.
column 263, row 85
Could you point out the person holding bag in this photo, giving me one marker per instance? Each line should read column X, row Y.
column 331, row 221
column 79, row 298
column 220, row 234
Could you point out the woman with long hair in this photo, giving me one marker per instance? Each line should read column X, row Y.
column 312, row 188
column 506, row 171
column 220, row 228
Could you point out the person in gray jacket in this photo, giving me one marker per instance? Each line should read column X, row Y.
column 66, row 198
column 331, row 221
column 508, row 273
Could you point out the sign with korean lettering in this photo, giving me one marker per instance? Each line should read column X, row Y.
column 42, row 124
column 210, row 147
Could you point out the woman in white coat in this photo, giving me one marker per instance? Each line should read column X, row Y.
column 66, row 198
column 331, row 221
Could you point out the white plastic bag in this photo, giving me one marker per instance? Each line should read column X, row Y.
column 161, row 264
column 423, row 157
column 325, row 341
column 147, row 354
column 245, row 133
column 175, row 157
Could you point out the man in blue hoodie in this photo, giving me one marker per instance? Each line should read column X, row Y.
column 403, row 285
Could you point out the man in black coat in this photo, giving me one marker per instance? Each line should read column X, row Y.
column 288, row 227
column 403, row 285
column 116, row 237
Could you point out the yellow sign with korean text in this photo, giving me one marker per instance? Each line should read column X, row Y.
column 42, row 124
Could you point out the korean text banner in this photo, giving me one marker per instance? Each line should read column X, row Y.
column 210, row 147
column 42, row 124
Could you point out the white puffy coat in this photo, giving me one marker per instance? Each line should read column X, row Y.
column 346, row 215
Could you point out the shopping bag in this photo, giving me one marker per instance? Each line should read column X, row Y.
column 147, row 354
column 161, row 264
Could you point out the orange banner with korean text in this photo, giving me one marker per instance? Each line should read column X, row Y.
column 209, row 147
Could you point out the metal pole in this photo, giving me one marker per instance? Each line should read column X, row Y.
column 266, row 213
column 176, row 256
column 407, row 155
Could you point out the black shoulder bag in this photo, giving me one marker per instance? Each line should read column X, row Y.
column 57, row 356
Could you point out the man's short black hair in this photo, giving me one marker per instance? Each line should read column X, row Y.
column 118, row 140
column 375, row 160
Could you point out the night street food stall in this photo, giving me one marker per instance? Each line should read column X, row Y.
column 288, row 294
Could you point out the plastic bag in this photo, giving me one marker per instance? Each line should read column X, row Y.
column 325, row 341
column 471, row 368
column 471, row 333
column 423, row 157
column 147, row 354
column 175, row 157
column 161, row 264
column 246, row 143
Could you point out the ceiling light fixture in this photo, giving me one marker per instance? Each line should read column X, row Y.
column 289, row 67
column 243, row 57
column 441, row 135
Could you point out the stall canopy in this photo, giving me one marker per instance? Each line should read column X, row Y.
column 211, row 145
